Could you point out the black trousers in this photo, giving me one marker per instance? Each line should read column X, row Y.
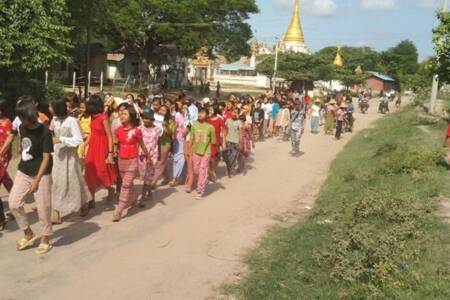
column 2, row 213
column 339, row 129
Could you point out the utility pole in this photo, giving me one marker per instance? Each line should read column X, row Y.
column 435, row 84
column 275, row 69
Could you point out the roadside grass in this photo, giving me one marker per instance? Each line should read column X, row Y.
column 372, row 233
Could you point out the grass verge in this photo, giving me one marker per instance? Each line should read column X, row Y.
column 372, row 234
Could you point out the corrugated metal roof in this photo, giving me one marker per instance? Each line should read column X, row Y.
column 382, row 76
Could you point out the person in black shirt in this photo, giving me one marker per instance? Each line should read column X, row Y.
column 258, row 120
column 33, row 177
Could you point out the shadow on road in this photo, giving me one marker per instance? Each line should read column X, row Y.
column 74, row 233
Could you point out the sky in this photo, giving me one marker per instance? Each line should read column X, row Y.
column 379, row 24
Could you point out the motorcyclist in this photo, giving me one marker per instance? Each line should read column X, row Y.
column 384, row 102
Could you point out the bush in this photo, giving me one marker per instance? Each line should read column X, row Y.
column 372, row 247
column 408, row 160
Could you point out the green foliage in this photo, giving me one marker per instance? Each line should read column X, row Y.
column 406, row 160
column 380, row 241
column 185, row 24
column 400, row 61
column 33, row 34
column 441, row 40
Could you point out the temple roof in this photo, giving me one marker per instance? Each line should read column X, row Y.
column 295, row 32
column 383, row 77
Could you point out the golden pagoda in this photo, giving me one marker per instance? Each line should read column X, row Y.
column 338, row 61
column 294, row 39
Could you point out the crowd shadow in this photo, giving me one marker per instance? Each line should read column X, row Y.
column 213, row 188
column 74, row 233
column 158, row 197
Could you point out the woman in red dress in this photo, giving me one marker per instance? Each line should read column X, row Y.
column 217, row 121
column 99, row 163
column 5, row 179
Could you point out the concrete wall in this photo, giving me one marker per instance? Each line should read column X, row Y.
column 259, row 81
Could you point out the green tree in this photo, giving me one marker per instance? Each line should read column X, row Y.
column 400, row 61
column 33, row 34
column 34, row 37
column 144, row 26
column 291, row 66
column 353, row 57
column 441, row 40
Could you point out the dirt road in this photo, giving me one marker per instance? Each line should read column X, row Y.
column 177, row 247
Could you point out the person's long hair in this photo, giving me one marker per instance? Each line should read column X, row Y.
column 59, row 107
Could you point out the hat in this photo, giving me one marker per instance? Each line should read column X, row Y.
column 148, row 114
column 206, row 100
column 317, row 100
column 118, row 101
column 332, row 102
column 343, row 105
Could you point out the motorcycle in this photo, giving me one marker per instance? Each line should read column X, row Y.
column 384, row 106
column 364, row 105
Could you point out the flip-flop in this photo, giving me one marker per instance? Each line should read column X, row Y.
column 43, row 248
column 23, row 243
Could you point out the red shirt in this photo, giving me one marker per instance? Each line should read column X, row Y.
column 218, row 123
column 227, row 115
column 306, row 99
column 5, row 130
column 128, row 142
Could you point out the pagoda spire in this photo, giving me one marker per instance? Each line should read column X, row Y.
column 338, row 61
column 295, row 32
column 293, row 39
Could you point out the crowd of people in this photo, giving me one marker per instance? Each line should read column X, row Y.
column 106, row 142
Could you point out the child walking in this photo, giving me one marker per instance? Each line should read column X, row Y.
column 129, row 138
column 297, row 127
column 246, row 142
column 232, row 138
column 150, row 137
column 5, row 179
column 85, row 125
column 69, row 190
column 99, row 162
column 33, row 177
column 340, row 115
column 203, row 136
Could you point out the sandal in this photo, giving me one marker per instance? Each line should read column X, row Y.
column 23, row 243
column 3, row 226
column 43, row 248
column 173, row 183
column 116, row 218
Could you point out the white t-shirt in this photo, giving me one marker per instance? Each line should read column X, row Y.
column 315, row 111
column 268, row 107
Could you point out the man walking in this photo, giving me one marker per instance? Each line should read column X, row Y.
column 297, row 126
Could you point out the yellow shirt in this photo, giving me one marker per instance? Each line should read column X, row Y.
column 85, row 124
